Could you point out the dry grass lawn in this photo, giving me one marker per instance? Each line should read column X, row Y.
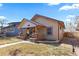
column 7, row 40
column 24, row 49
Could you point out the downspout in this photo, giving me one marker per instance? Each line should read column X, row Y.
column 58, row 30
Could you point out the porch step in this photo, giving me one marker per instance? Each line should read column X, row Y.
column 49, row 42
column 32, row 39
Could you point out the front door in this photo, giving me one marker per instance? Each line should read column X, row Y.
column 29, row 32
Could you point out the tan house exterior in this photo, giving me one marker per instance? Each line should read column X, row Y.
column 45, row 28
column 56, row 26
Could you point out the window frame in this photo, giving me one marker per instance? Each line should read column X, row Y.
column 49, row 31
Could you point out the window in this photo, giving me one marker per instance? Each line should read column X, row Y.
column 11, row 29
column 49, row 31
column 60, row 28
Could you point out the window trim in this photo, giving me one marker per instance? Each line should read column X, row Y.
column 49, row 31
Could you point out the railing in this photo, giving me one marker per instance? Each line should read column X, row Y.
column 33, row 37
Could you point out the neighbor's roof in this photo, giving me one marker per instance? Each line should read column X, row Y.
column 61, row 23
column 14, row 23
column 7, row 26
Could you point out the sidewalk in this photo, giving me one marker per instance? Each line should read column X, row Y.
column 6, row 45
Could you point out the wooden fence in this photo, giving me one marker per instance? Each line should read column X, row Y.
column 71, row 34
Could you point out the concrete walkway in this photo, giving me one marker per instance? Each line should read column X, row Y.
column 6, row 45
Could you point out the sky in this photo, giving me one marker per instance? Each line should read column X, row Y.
column 15, row 12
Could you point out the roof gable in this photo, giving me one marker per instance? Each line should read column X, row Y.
column 26, row 23
column 50, row 19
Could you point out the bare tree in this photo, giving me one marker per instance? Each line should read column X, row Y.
column 71, row 25
column 77, row 19
column 77, row 22
column 2, row 23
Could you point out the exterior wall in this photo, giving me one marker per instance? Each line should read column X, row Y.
column 12, row 31
column 61, row 32
column 52, row 24
column 41, row 32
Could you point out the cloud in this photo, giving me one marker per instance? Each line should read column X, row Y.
column 2, row 17
column 69, row 7
column 70, row 18
column 3, row 20
column 51, row 4
column 1, row 4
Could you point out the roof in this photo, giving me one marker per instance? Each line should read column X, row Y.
column 7, row 27
column 61, row 23
column 14, row 23
column 23, row 23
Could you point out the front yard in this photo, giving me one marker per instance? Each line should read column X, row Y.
column 36, row 49
column 7, row 40
column 25, row 49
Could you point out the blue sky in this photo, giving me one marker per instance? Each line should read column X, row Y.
column 17, row 11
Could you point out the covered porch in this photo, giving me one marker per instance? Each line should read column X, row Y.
column 36, row 33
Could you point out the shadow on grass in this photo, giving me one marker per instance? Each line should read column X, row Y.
column 52, row 44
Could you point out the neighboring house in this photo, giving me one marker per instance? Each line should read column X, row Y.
column 77, row 28
column 11, row 29
column 42, row 28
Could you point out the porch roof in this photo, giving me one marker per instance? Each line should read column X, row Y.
column 28, row 24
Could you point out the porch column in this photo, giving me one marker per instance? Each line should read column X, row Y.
column 36, row 32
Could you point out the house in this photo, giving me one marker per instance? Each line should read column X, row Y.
column 11, row 29
column 23, row 27
column 42, row 28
